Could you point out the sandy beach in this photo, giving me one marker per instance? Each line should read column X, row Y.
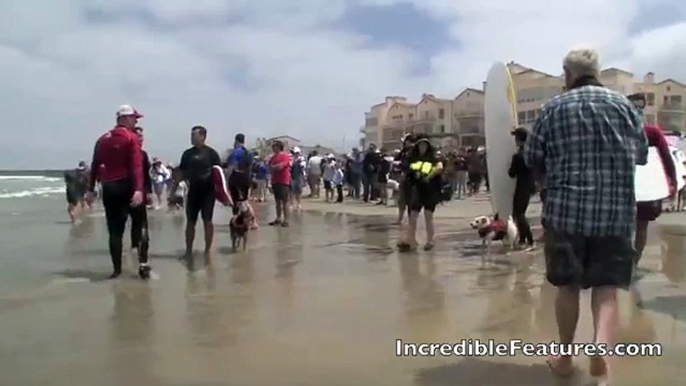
column 321, row 303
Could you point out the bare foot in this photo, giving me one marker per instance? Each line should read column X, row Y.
column 561, row 366
column 597, row 367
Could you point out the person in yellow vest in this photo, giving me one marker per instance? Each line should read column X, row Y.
column 424, row 178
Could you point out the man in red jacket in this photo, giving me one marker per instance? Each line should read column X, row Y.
column 650, row 211
column 117, row 164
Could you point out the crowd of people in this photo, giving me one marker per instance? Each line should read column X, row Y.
column 581, row 156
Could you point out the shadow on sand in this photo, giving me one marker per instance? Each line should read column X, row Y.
column 477, row 372
column 82, row 274
column 669, row 305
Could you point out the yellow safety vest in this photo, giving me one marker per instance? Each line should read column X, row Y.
column 422, row 168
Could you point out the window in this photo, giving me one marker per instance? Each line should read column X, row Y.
column 669, row 88
column 665, row 100
column 410, row 116
column 650, row 99
column 371, row 122
column 426, row 114
column 521, row 117
column 442, row 127
column 530, row 116
column 675, row 99
column 441, row 114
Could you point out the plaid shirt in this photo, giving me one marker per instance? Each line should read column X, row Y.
column 587, row 143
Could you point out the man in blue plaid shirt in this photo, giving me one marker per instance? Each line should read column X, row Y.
column 587, row 143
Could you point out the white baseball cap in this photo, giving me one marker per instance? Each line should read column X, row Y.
column 126, row 110
column 296, row 150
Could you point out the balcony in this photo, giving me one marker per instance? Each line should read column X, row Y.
column 423, row 119
column 472, row 130
column 462, row 114
column 671, row 107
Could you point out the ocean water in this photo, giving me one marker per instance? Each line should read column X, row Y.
column 33, row 224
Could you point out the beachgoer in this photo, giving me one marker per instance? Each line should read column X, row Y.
column 329, row 172
column 239, row 166
column 260, row 172
column 461, row 174
column 338, row 181
column 524, row 188
column 140, row 235
column 587, row 142
column 424, row 177
column 196, row 168
column 76, row 181
column 117, row 164
column 297, row 178
column 160, row 175
column 370, row 166
column 280, row 165
column 314, row 173
column 356, row 172
column 403, row 167
column 385, row 166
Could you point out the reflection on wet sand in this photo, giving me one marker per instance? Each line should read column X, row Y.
column 425, row 299
column 132, row 334
column 306, row 304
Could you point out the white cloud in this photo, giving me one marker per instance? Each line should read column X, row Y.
column 63, row 77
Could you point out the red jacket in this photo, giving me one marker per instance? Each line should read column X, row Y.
column 117, row 156
column 657, row 138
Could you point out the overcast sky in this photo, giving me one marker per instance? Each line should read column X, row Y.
column 308, row 68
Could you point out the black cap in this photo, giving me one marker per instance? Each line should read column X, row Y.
column 520, row 133
column 240, row 138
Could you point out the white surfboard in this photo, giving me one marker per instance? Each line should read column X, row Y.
column 650, row 181
column 500, row 119
column 680, row 165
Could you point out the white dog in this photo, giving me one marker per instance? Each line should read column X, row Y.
column 491, row 229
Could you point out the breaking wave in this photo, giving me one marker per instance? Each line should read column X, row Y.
column 45, row 191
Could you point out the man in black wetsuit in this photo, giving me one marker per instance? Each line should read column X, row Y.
column 76, row 181
column 524, row 189
column 140, row 237
column 196, row 168
column 239, row 169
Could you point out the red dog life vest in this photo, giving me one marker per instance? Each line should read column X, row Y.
column 497, row 227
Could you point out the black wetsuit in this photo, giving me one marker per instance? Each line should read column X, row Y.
column 524, row 189
column 140, row 237
column 76, row 182
column 425, row 194
column 196, row 168
column 240, row 180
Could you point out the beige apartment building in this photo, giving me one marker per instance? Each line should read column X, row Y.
column 459, row 122
column 451, row 122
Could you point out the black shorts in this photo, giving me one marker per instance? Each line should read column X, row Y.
column 328, row 185
column 588, row 261
column 424, row 197
column 239, row 186
column 281, row 192
column 200, row 201
column 474, row 177
column 74, row 196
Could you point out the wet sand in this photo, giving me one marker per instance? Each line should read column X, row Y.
column 321, row 303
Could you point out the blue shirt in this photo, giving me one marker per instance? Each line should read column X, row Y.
column 240, row 159
column 260, row 170
column 587, row 143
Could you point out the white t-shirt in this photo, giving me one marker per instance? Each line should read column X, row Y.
column 329, row 171
column 181, row 189
column 314, row 166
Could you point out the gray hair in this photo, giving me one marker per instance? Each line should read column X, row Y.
column 582, row 62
